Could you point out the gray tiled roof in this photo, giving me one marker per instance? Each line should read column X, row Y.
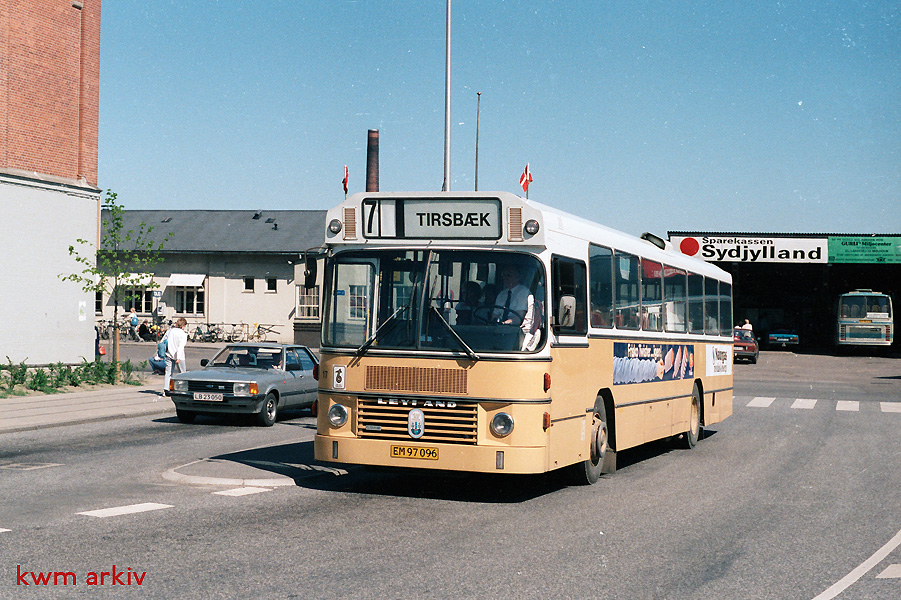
column 232, row 230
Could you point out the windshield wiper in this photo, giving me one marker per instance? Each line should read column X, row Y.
column 469, row 351
column 365, row 346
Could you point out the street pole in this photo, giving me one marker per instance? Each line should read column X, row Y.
column 447, row 99
column 478, row 112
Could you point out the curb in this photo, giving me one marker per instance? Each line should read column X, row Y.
column 174, row 476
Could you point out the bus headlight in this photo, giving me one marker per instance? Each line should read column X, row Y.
column 335, row 226
column 532, row 227
column 502, row 424
column 337, row 415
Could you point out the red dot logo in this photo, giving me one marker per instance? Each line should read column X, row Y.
column 689, row 246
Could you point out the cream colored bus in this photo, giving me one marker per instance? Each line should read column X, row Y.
column 482, row 332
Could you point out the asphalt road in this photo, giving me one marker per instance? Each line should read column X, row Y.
column 793, row 497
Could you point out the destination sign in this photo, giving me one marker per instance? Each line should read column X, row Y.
column 432, row 218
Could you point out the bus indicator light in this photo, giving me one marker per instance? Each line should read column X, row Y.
column 546, row 421
column 547, row 381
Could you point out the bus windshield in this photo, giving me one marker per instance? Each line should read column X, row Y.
column 465, row 301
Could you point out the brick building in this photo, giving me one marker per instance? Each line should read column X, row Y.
column 49, row 104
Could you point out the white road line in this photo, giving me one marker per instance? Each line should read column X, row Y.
column 243, row 491
column 4, row 530
column 849, row 405
column 891, row 406
column 849, row 579
column 806, row 403
column 891, row 572
column 759, row 402
column 124, row 510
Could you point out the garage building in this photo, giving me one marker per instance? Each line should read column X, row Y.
column 793, row 281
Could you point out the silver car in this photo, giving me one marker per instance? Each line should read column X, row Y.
column 259, row 379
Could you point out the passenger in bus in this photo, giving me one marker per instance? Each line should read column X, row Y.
column 470, row 295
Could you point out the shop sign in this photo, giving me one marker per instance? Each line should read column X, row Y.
column 731, row 248
column 865, row 249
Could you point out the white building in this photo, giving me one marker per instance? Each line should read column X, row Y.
column 237, row 268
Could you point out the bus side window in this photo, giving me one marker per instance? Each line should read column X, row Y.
column 569, row 281
column 600, row 271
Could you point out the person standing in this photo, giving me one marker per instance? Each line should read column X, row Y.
column 176, row 340
column 747, row 325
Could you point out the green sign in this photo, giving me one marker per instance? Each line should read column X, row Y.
column 865, row 249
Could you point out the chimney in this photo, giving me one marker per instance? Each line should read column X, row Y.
column 372, row 161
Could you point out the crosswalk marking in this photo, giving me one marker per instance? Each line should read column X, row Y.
column 805, row 403
column 811, row 403
column 760, row 402
column 243, row 491
column 124, row 510
column 891, row 572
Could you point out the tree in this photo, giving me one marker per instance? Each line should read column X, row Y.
column 119, row 265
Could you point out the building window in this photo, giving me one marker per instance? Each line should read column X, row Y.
column 98, row 303
column 190, row 301
column 271, row 284
column 359, row 301
column 141, row 299
column 248, row 284
column 307, row 302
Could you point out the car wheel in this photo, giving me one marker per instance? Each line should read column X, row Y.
column 269, row 412
column 185, row 416
column 753, row 360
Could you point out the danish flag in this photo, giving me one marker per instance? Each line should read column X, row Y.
column 345, row 179
column 525, row 179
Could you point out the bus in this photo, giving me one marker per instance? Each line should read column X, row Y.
column 864, row 319
column 483, row 332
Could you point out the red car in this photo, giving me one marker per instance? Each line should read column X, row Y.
column 744, row 345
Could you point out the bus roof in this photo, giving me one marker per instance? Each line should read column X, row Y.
column 495, row 219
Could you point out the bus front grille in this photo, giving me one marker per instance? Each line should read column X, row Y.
column 416, row 380
column 446, row 425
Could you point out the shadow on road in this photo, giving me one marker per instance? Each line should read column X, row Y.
column 295, row 460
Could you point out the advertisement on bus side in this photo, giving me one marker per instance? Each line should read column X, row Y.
column 719, row 359
column 638, row 363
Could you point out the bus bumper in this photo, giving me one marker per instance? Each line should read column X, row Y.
column 451, row 457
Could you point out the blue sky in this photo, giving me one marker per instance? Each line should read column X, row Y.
column 643, row 115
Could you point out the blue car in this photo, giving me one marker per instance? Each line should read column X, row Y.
column 783, row 337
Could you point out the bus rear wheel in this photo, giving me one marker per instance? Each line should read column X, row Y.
column 589, row 471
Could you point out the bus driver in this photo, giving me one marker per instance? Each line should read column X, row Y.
column 515, row 305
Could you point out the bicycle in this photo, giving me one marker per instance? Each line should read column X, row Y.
column 260, row 332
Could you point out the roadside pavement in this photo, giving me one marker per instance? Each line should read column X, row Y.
column 36, row 411
column 254, row 467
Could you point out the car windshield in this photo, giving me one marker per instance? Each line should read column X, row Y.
column 251, row 357
column 462, row 301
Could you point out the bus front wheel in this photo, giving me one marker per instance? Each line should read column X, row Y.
column 589, row 471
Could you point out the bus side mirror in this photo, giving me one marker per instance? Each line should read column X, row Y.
column 566, row 311
column 309, row 271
